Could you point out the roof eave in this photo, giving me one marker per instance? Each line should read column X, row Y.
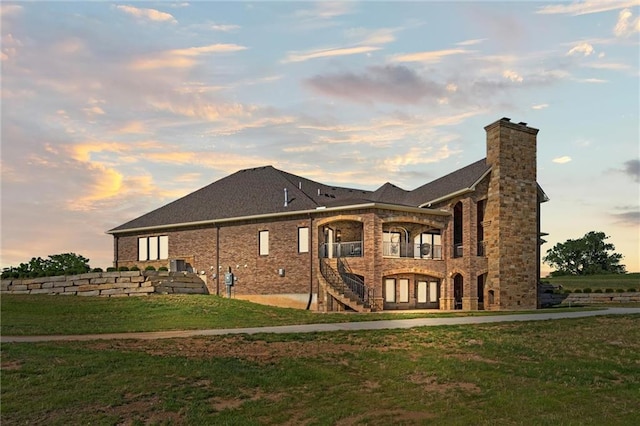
column 279, row 215
column 446, row 197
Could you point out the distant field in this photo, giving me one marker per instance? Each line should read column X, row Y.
column 613, row 281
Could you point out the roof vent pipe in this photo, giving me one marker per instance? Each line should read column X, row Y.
column 300, row 184
column 318, row 191
column 286, row 198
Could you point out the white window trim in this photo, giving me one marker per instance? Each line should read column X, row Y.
column 303, row 239
column 263, row 243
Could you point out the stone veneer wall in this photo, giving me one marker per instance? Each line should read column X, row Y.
column 109, row 284
column 511, row 216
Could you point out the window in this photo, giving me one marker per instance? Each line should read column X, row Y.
column 391, row 244
column 143, row 251
column 481, row 207
column 153, row 248
column 303, row 240
column 422, row 292
column 263, row 243
column 428, row 245
column 404, row 290
column 433, row 291
column 390, row 290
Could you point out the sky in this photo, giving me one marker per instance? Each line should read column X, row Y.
column 112, row 109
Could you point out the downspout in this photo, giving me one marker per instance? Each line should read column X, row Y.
column 217, row 271
column 115, row 252
column 311, row 250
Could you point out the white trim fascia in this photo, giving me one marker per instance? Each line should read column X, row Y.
column 446, row 197
column 458, row 192
column 284, row 214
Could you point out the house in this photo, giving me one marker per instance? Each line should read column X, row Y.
column 468, row 240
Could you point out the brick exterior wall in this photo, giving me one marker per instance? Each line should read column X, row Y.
column 508, row 267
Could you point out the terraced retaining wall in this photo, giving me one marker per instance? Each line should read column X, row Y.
column 109, row 284
column 552, row 299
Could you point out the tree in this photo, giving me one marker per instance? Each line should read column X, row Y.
column 55, row 264
column 588, row 255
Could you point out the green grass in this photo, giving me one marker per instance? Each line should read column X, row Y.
column 603, row 282
column 569, row 372
column 46, row 315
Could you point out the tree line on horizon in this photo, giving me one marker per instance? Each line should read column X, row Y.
column 589, row 255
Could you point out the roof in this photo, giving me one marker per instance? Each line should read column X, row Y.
column 261, row 191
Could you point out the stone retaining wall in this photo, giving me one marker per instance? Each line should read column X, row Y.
column 108, row 284
column 553, row 299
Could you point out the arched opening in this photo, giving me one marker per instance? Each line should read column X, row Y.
column 458, row 291
column 457, row 230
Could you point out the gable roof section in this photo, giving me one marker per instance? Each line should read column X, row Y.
column 261, row 191
column 460, row 181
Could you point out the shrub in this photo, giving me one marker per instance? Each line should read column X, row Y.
column 134, row 268
column 97, row 270
column 598, row 290
column 163, row 268
column 631, row 290
column 608, row 290
column 123, row 269
column 567, row 291
column 619, row 290
column 111, row 269
column 587, row 290
column 150, row 268
column 577, row 290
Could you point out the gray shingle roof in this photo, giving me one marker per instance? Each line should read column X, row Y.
column 260, row 191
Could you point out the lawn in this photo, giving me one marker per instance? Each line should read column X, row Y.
column 602, row 282
column 570, row 372
column 45, row 315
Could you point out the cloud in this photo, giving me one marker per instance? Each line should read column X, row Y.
column 540, row 106
column 615, row 66
column 581, row 48
column 392, row 83
column 9, row 9
column 562, row 160
column 225, row 28
column 513, row 76
column 433, row 56
column 324, row 10
column 592, row 80
column 586, row 7
column 324, row 53
column 183, row 58
column 632, row 169
column 630, row 218
column 150, row 14
column 626, row 26
column 471, row 42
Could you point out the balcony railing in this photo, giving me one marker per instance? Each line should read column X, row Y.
column 409, row 250
column 346, row 249
column 458, row 250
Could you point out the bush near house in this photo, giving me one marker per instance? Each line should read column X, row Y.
column 55, row 264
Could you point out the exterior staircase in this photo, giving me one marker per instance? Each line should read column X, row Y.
column 345, row 287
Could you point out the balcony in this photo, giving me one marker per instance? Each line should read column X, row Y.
column 413, row 251
column 482, row 248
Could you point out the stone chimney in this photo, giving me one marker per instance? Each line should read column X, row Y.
column 511, row 216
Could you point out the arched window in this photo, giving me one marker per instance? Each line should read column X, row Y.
column 458, row 291
column 457, row 230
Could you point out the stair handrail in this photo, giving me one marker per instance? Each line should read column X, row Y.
column 355, row 283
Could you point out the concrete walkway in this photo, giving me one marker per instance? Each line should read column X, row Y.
column 310, row 328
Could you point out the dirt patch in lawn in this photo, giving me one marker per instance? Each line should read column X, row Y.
column 230, row 347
